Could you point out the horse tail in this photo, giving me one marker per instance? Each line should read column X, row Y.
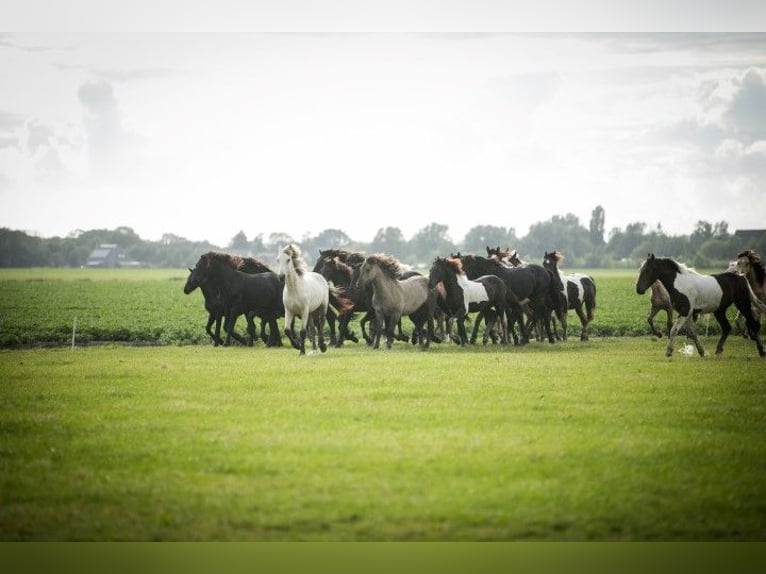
column 590, row 299
column 339, row 301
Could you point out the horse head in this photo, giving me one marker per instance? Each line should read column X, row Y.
column 192, row 282
column 647, row 274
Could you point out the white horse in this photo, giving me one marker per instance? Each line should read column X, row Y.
column 306, row 296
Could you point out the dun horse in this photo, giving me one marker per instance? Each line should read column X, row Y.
column 393, row 298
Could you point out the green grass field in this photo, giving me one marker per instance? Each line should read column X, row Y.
column 604, row 440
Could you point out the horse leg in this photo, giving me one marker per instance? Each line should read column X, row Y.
column 503, row 325
column 330, row 319
column 391, row 323
column 584, row 322
column 753, row 325
column 216, row 336
column 680, row 322
column 669, row 318
column 274, row 339
column 650, row 319
column 250, row 329
column 320, row 331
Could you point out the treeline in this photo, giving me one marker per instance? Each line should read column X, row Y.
column 709, row 245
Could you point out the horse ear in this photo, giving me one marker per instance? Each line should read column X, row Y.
column 190, row 270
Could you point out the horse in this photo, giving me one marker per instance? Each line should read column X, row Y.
column 530, row 283
column 508, row 257
column 306, row 296
column 339, row 273
column 212, row 297
column 462, row 296
column 393, row 297
column 351, row 258
column 750, row 264
column 354, row 258
column 578, row 290
column 691, row 291
column 251, row 294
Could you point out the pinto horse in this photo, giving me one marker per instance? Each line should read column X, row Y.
column 393, row 297
column 690, row 291
column 212, row 297
column 578, row 291
column 462, row 295
column 530, row 283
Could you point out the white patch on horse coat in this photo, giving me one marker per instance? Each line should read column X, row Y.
column 703, row 291
column 473, row 291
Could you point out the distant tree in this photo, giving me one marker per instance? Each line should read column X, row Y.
column 564, row 234
column 622, row 243
column 431, row 241
column 389, row 240
column 482, row 236
column 596, row 227
column 256, row 245
column 280, row 239
column 332, row 239
column 239, row 243
column 703, row 231
column 721, row 230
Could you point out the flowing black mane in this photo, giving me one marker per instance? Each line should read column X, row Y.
column 244, row 264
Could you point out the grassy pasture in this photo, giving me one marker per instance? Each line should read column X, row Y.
column 605, row 440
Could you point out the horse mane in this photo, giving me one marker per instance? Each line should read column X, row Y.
column 244, row 264
column 340, row 266
column 294, row 252
column 558, row 256
column 387, row 263
column 676, row 266
column 756, row 264
column 456, row 264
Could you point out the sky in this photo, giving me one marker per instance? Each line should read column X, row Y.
column 205, row 119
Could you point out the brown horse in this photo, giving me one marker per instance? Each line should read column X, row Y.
column 750, row 264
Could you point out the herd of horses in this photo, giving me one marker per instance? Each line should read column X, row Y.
column 515, row 300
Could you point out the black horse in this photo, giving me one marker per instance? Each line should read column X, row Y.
column 486, row 295
column 258, row 294
column 530, row 283
column 212, row 297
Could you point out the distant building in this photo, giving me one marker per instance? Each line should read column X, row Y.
column 109, row 255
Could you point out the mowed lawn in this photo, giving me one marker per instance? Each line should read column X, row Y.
column 604, row 440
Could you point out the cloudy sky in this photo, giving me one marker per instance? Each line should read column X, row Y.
column 203, row 126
